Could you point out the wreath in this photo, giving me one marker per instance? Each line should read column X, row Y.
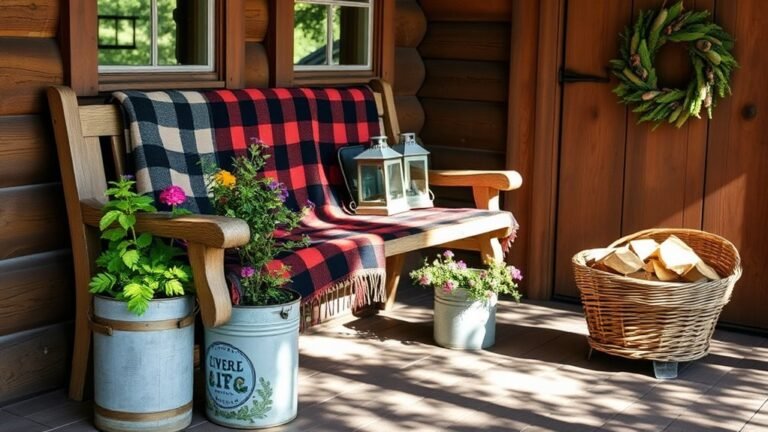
column 709, row 48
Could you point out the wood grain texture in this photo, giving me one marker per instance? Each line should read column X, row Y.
column 410, row 23
column 465, row 80
column 465, row 124
column 466, row 41
column 234, row 44
column 521, row 125
column 24, row 18
column 409, row 71
column 394, row 266
column 27, row 67
column 79, row 44
column 256, row 20
column 592, row 145
column 35, row 290
column 256, row 65
column 462, row 10
column 499, row 180
column 410, row 113
column 664, row 169
column 737, row 163
column 32, row 220
column 27, row 151
column 33, row 361
column 453, row 158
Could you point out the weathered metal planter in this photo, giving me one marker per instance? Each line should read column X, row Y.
column 460, row 323
column 143, row 365
column 252, row 367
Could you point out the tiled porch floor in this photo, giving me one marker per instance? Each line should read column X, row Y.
column 384, row 373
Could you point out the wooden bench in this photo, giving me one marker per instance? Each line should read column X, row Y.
column 91, row 148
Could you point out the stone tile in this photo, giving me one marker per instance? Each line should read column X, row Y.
column 64, row 414
column 13, row 423
column 38, row 403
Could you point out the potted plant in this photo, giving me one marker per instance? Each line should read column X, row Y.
column 143, row 320
column 252, row 361
column 466, row 298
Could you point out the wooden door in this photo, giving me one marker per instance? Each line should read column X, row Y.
column 736, row 205
column 617, row 177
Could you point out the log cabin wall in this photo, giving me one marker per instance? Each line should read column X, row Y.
column 36, row 293
column 464, row 95
column 410, row 28
column 256, row 60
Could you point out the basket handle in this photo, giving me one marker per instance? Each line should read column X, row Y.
column 646, row 233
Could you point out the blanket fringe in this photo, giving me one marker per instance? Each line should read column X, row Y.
column 359, row 289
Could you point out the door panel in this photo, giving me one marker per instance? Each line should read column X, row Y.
column 736, row 205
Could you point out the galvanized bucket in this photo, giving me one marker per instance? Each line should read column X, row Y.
column 252, row 367
column 464, row 324
column 143, row 365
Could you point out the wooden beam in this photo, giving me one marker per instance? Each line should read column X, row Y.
column 234, row 23
column 80, row 47
column 279, row 42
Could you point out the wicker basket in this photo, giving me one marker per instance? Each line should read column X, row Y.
column 660, row 321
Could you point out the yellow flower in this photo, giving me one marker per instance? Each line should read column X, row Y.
column 225, row 178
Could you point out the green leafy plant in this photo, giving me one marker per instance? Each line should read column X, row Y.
column 136, row 267
column 446, row 273
column 260, row 201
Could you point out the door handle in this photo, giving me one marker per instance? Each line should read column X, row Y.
column 569, row 76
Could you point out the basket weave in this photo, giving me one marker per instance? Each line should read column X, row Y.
column 662, row 321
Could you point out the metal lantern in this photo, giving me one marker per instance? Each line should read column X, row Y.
column 416, row 169
column 380, row 180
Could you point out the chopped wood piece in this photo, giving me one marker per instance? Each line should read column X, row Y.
column 663, row 273
column 595, row 255
column 623, row 261
column 701, row 272
column 644, row 248
column 676, row 256
column 644, row 275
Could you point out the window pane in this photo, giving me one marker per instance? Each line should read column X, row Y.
column 372, row 183
column 125, row 32
column 417, row 176
column 394, row 175
column 310, row 34
column 182, row 32
column 350, row 35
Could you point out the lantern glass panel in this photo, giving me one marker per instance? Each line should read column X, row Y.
column 372, row 183
column 417, row 177
column 395, row 176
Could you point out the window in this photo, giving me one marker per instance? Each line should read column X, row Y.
column 332, row 35
column 155, row 35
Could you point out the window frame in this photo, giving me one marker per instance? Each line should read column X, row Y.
column 155, row 68
column 371, row 6
column 79, row 40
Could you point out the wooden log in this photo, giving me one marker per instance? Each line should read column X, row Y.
column 410, row 114
column 466, row 125
column 256, row 65
column 27, row 67
column 466, row 41
column 409, row 71
column 463, row 10
column 27, row 151
column 410, row 24
column 256, row 20
column 33, row 361
column 35, row 290
column 32, row 220
column 25, row 18
column 465, row 80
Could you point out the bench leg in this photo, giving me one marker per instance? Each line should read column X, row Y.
column 394, row 268
column 490, row 249
column 81, row 351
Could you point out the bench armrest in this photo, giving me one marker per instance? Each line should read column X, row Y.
column 207, row 237
column 500, row 180
column 214, row 231
column 485, row 184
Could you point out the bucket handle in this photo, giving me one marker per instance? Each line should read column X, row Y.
column 107, row 326
column 285, row 312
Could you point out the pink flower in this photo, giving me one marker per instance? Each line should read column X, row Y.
column 247, row 272
column 461, row 265
column 449, row 286
column 424, row 280
column 448, row 254
column 515, row 273
column 173, row 196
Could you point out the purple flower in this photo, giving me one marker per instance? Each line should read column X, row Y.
column 247, row 272
column 173, row 196
column 424, row 280
column 128, row 177
column 449, row 286
column 273, row 185
column 448, row 254
column 461, row 265
column 515, row 273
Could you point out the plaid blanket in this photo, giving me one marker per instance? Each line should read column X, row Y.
column 170, row 132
